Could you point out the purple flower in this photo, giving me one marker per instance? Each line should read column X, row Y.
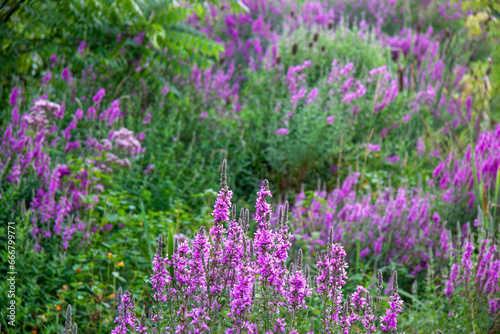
column 372, row 147
column 393, row 160
column 81, row 48
column 160, row 277
column 222, row 206
column 124, row 140
column 65, row 75
column 99, row 96
column 281, row 131
column 165, row 90
column 91, row 113
column 330, row 120
column 148, row 169
column 331, row 277
column 312, row 95
column 388, row 322
column 455, row 269
column 13, row 96
column 79, row 114
column 420, row 146
column 147, row 119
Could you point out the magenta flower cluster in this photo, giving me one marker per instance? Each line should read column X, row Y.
column 475, row 275
column 245, row 282
column 454, row 176
column 404, row 214
column 66, row 189
column 254, row 41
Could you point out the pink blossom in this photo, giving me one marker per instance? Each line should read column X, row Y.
column 393, row 160
column 81, row 48
column 282, row 131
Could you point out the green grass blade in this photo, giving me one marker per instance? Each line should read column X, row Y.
column 146, row 231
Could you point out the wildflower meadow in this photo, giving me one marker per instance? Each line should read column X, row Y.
column 250, row 166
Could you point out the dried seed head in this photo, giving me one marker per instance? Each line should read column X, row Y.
column 380, row 280
column 400, row 77
column 278, row 61
column 267, row 218
column 330, row 25
column 233, row 212
column 241, row 220
column 244, row 245
column 316, row 36
column 67, row 326
column 346, row 307
column 280, row 217
column 323, row 48
column 299, row 259
column 122, row 309
column 251, row 249
column 447, row 33
column 295, row 48
column 310, row 44
column 247, row 220
column 118, row 298
column 150, row 314
column 369, row 301
column 395, row 281
column 414, row 287
column 223, row 174
column 330, row 239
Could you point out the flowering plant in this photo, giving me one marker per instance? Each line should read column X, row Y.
column 228, row 281
column 66, row 164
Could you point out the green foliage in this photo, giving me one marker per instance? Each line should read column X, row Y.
column 34, row 30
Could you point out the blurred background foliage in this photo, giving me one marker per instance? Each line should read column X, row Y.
column 165, row 58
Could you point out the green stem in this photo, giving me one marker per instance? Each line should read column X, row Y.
column 146, row 230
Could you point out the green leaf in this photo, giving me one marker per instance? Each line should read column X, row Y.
column 112, row 217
